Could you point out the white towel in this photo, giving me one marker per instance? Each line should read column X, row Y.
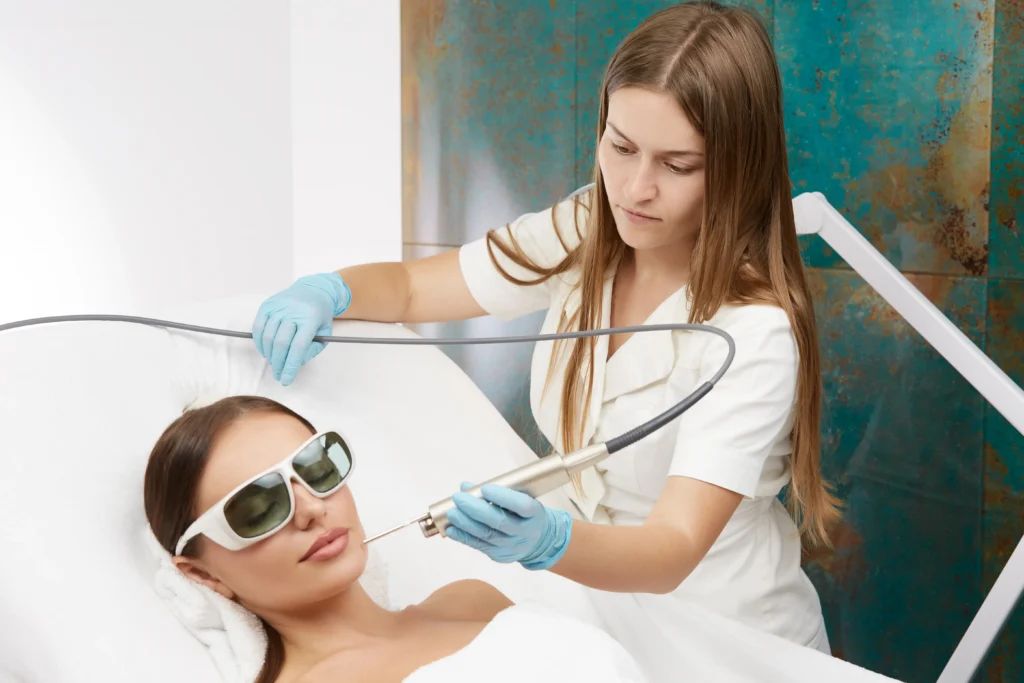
column 232, row 635
column 668, row 635
column 529, row 642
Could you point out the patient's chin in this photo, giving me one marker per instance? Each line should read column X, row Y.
column 267, row 578
column 335, row 575
column 302, row 585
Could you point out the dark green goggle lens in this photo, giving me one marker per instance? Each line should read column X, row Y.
column 259, row 507
column 325, row 463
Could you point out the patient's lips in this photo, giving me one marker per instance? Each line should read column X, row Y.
column 329, row 545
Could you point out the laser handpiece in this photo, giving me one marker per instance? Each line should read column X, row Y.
column 535, row 479
column 552, row 471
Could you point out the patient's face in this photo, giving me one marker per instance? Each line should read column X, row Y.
column 270, row 576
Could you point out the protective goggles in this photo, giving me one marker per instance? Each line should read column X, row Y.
column 266, row 502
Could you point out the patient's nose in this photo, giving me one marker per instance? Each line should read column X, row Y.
column 308, row 508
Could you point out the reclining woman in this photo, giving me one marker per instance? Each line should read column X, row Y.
column 250, row 500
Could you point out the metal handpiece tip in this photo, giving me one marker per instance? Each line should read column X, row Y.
column 394, row 529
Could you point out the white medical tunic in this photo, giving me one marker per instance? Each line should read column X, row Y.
column 737, row 437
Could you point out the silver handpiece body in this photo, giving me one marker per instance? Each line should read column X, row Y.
column 535, row 479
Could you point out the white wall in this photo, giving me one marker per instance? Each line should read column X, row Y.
column 346, row 133
column 146, row 149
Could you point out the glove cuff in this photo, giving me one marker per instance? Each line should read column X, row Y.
column 335, row 287
column 553, row 544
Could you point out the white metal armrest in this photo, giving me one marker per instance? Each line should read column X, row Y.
column 814, row 215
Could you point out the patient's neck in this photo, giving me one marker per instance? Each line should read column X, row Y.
column 347, row 620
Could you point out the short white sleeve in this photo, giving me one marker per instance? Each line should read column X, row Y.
column 545, row 237
column 727, row 436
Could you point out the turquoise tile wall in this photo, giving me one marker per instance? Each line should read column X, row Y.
column 888, row 113
column 903, row 441
column 1007, row 220
column 907, row 114
column 487, row 95
column 1004, row 469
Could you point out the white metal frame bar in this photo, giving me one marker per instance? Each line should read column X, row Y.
column 814, row 215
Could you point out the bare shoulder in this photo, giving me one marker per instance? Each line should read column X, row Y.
column 467, row 600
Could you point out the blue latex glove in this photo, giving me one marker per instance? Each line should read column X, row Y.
column 287, row 322
column 509, row 526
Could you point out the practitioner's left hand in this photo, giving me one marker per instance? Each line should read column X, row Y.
column 510, row 526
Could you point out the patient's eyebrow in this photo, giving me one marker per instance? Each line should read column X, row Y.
column 666, row 153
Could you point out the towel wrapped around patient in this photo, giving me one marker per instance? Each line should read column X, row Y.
column 528, row 642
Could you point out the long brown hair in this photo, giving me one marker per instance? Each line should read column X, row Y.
column 719, row 65
column 173, row 472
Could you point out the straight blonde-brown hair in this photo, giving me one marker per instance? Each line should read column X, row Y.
column 719, row 65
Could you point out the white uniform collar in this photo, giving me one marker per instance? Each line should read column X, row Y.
column 645, row 358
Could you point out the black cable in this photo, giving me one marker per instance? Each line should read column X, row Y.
column 614, row 444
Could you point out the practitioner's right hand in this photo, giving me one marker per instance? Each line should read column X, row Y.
column 287, row 322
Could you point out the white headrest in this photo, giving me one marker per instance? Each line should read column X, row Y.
column 81, row 404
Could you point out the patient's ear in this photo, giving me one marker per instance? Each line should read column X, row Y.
column 195, row 571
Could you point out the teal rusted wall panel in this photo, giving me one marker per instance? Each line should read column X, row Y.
column 903, row 438
column 888, row 107
column 1007, row 222
column 487, row 107
column 1004, row 470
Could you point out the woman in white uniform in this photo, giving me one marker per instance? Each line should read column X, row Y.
column 689, row 219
